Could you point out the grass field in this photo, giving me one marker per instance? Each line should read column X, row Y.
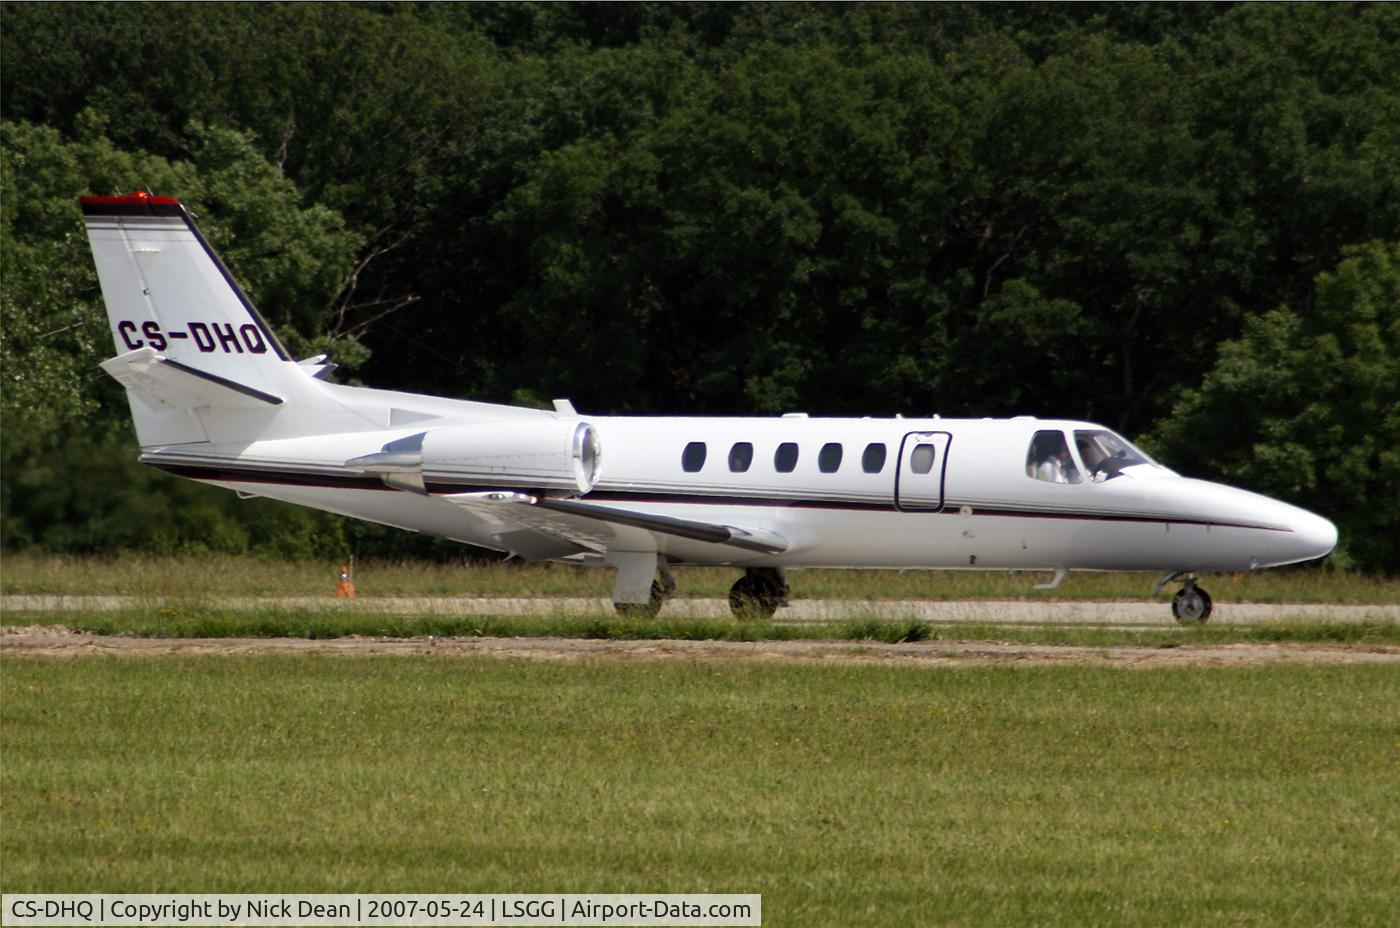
column 846, row 794
column 195, row 621
column 174, row 577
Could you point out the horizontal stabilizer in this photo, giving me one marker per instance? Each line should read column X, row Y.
column 750, row 539
column 164, row 382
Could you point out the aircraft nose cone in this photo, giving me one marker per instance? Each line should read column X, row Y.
column 1316, row 536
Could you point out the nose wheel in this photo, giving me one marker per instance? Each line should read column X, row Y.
column 1191, row 605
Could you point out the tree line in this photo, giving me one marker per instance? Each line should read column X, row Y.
column 1179, row 220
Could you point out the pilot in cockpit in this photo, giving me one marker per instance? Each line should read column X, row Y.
column 1059, row 467
column 1050, row 460
column 1089, row 453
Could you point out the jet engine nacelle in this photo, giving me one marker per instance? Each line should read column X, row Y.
column 548, row 455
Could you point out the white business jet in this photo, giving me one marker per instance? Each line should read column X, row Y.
column 216, row 398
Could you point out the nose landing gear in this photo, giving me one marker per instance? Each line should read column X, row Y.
column 1192, row 604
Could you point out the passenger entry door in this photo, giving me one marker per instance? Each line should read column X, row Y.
column 923, row 461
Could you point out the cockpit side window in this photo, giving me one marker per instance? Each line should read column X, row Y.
column 1105, row 454
column 1048, row 458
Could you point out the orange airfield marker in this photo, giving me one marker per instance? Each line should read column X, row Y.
column 345, row 589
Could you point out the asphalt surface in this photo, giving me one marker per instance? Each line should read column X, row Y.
column 1001, row 612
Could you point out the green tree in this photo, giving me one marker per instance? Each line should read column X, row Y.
column 1305, row 406
column 976, row 209
column 290, row 259
column 71, row 482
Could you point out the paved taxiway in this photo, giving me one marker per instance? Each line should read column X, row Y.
column 1000, row 612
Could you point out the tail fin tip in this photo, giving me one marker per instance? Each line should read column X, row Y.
column 136, row 203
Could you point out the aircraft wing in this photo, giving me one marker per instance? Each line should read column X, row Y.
column 574, row 526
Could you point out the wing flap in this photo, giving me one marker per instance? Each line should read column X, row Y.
column 535, row 511
column 750, row 539
column 534, row 533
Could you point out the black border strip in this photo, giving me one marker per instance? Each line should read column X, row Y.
column 224, row 382
column 225, row 474
column 131, row 206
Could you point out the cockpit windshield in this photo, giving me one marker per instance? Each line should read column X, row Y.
column 1106, row 455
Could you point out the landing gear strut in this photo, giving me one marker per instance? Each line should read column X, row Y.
column 758, row 593
column 1192, row 604
column 644, row 610
column 633, row 568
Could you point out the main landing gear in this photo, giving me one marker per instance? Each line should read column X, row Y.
column 632, row 574
column 644, row 583
column 648, row 609
column 758, row 593
column 1191, row 605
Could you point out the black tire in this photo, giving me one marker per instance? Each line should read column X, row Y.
column 646, row 610
column 751, row 598
column 1192, row 606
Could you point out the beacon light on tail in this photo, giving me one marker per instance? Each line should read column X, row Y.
column 216, row 397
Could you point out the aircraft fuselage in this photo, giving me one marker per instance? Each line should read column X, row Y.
column 862, row 505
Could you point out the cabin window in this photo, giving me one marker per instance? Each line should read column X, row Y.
column 693, row 457
column 921, row 461
column 1049, row 459
column 1105, row 454
column 785, row 458
column 873, row 460
column 829, row 458
column 740, row 457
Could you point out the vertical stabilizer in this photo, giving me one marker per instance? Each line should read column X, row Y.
column 165, row 288
column 192, row 347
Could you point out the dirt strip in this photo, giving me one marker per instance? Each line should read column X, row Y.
column 48, row 642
